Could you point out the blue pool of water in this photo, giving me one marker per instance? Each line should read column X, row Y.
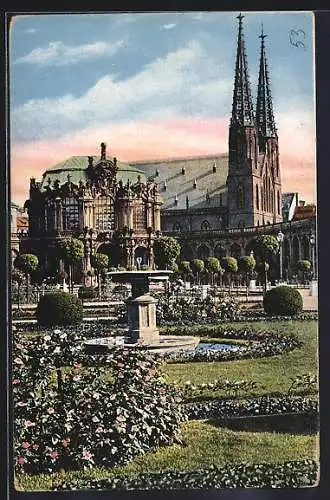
column 203, row 346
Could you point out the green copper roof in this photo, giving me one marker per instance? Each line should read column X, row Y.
column 76, row 167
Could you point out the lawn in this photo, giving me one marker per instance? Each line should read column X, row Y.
column 272, row 375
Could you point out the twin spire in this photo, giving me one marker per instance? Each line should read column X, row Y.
column 242, row 111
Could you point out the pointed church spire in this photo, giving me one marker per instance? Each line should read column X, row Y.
column 264, row 112
column 242, row 112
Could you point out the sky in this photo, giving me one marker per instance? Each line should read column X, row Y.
column 153, row 85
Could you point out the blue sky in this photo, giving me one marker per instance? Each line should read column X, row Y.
column 72, row 75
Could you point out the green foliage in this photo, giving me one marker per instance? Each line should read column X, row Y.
column 59, row 308
column 246, row 264
column 71, row 250
column 290, row 474
column 26, row 262
column 283, row 300
column 166, row 251
column 197, row 266
column 87, row 419
column 264, row 246
column 229, row 264
column 100, row 261
column 304, row 265
column 212, row 264
column 188, row 309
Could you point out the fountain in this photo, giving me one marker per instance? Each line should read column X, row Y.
column 141, row 314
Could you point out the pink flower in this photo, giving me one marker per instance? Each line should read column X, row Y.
column 51, row 410
column 87, row 455
column 35, row 446
column 54, row 454
column 26, row 445
column 66, row 442
column 16, row 381
column 99, row 429
column 28, row 423
column 21, row 460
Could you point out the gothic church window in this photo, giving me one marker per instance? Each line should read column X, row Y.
column 70, row 213
column 104, row 213
column 257, row 196
column 240, row 197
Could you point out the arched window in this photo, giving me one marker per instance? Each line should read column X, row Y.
column 203, row 252
column 70, row 213
column 104, row 213
column 257, row 196
column 278, row 203
column 240, row 197
column 205, row 226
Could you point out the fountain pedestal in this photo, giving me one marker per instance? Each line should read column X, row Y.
column 141, row 313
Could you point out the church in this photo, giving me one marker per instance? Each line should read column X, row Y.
column 214, row 205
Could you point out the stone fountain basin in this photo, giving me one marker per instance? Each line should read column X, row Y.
column 168, row 343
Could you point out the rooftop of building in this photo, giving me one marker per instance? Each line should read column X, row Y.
column 201, row 178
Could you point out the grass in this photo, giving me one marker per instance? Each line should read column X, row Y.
column 272, row 375
column 207, row 444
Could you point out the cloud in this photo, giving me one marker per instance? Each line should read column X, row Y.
column 185, row 82
column 169, row 26
column 59, row 54
column 31, row 31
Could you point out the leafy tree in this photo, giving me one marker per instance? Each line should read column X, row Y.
column 229, row 264
column 27, row 263
column 304, row 266
column 185, row 269
column 197, row 267
column 71, row 251
column 212, row 264
column 264, row 247
column 100, row 262
column 166, row 251
column 246, row 265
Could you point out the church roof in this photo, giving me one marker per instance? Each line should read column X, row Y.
column 204, row 193
column 76, row 166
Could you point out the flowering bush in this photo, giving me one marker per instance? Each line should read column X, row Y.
column 68, row 416
column 192, row 309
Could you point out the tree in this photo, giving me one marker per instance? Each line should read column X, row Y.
column 246, row 265
column 212, row 264
column 264, row 247
column 166, row 251
column 71, row 251
column 185, row 269
column 197, row 267
column 18, row 277
column 230, row 266
column 304, row 266
column 27, row 263
column 100, row 262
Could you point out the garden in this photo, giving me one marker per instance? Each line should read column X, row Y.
column 239, row 410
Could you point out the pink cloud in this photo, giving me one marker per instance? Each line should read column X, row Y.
column 154, row 140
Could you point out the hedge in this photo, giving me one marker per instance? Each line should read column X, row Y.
column 293, row 474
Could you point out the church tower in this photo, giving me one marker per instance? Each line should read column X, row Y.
column 243, row 144
column 268, row 192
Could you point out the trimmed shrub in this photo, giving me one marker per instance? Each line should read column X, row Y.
column 59, row 308
column 283, row 300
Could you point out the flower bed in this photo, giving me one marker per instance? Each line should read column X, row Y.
column 262, row 344
column 264, row 405
column 294, row 474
